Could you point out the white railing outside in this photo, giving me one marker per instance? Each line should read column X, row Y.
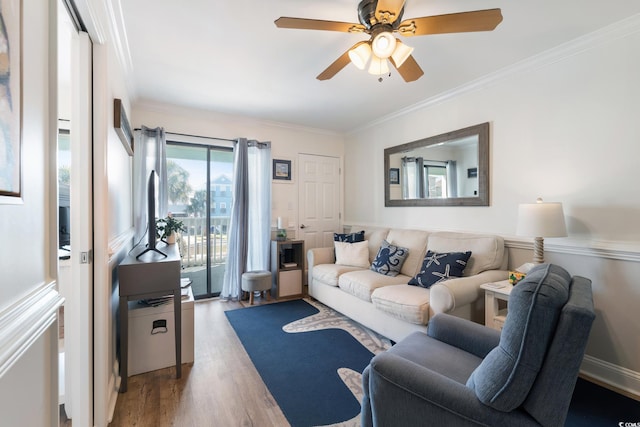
column 194, row 239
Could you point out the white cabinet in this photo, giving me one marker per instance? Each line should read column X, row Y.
column 152, row 335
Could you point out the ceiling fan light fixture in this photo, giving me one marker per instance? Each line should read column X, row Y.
column 401, row 53
column 378, row 66
column 360, row 54
column 383, row 44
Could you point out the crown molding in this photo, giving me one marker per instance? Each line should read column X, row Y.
column 118, row 33
column 616, row 31
column 163, row 108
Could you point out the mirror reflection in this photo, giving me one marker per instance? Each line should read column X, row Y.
column 451, row 169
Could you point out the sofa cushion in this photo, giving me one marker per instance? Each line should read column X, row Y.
column 349, row 237
column 415, row 241
column 389, row 259
column 330, row 273
column 362, row 283
column 409, row 303
column 352, row 254
column 487, row 252
column 437, row 267
column 506, row 375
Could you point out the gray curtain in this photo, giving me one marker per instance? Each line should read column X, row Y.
column 413, row 178
column 149, row 154
column 249, row 229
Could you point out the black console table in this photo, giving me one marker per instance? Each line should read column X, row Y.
column 150, row 276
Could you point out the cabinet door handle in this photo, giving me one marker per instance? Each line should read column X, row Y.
column 303, row 226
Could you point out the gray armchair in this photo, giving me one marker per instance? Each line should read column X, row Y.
column 463, row 374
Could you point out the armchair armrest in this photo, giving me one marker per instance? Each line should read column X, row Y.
column 404, row 393
column 463, row 334
column 450, row 294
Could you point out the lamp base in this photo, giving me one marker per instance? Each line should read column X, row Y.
column 538, row 250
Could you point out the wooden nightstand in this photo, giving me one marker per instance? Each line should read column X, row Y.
column 494, row 293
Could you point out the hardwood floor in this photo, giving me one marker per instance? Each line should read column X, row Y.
column 221, row 388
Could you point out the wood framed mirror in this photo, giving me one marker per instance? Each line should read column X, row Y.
column 451, row 169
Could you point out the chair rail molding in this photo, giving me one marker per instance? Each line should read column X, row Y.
column 24, row 321
column 608, row 250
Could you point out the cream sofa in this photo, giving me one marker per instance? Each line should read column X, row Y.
column 391, row 307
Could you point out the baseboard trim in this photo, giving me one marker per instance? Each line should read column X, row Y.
column 24, row 321
column 114, row 387
column 619, row 379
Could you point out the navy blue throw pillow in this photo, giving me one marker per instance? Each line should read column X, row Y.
column 349, row 238
column 438, row 267
column 389, row 259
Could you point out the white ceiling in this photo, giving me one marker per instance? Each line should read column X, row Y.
column 229, row 57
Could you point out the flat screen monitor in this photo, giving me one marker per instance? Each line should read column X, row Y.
column 152, row 210
column 64, row 227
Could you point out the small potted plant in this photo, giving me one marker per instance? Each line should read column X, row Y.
column 166, row 228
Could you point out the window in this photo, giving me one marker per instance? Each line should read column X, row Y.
column 192, row 180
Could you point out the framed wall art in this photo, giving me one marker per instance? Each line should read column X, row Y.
column 11, row 101
column 282, row 170
column 121, row 125
column 394, row 176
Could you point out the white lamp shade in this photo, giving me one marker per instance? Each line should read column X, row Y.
column 378, row 66
column 383, row 45
column 360, row 54
column 401, row 53
column 541, row 220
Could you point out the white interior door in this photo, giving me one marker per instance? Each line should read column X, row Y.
column 319, row 200
column 79, row 304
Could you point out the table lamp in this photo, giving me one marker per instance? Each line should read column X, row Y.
column 539, row 220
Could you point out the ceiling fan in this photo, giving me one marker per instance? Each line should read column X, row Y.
column 380, row 19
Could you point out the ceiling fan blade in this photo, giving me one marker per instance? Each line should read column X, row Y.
column 337, row 65
column 387, row 11
column 409, row 70
column 317, row 24
column 478, row 20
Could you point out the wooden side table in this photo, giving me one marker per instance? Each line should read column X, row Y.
column 287, row 267
column 495, row 292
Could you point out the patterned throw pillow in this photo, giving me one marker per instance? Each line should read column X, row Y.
column 438, row 267
column 349, row 238
column 389, row 259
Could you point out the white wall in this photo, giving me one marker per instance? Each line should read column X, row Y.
column 564, row 126
column 28, row 300
column 286, row 142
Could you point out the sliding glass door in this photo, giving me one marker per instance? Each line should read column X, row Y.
column 199, row 180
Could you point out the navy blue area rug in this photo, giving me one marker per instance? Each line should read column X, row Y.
column 310, row 358
column 596, row 406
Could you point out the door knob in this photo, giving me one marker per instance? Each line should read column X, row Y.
column 303, row 226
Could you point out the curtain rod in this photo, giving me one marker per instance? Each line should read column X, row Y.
column 196, row 136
